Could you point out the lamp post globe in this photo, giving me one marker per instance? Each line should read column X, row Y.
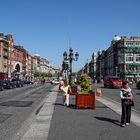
column 65, row 55
column 76, row 56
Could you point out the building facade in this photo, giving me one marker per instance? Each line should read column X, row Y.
column 10, row 40
column 121, row 59
column 92, row 66
column 16, row 62
column 127, row 58
column 44, row 65
column 3, row 57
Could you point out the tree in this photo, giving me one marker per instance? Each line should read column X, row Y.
column 37, row 74
column 85, row 82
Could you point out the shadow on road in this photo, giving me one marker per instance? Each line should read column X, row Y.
column 116, row 122
column 101, row 106
column 52, row 90
column 17, row 103
column 71, row 106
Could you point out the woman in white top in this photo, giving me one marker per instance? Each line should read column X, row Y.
column 66, row 89
column 126, row 98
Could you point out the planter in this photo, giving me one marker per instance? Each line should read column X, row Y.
column 85, row 101
column 73, row 90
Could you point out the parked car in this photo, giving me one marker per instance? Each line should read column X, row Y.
column 26, row 82
column 1, row 85
column 18, row 82
column 55, row 81
column 112, row 82
column 8, row 84
column 138, row 84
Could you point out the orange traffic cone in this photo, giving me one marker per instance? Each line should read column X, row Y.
column 99, row 92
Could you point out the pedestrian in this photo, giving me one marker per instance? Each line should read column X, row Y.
column 61, row 84
column 75, row 81
column 133, row 82
column 126, row 100
column 66, row 89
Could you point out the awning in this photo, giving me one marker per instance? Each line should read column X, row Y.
column 129, row 73
column 133, row 47
column 134, row 64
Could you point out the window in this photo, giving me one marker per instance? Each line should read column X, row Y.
column 138, row 57
column 129, row 57
column 129, row 68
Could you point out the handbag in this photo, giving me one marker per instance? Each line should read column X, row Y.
column 129, row 103
column 132, row 103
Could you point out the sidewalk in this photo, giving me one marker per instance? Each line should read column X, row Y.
column 40, row 126
column 57, row 122
column 99, row 124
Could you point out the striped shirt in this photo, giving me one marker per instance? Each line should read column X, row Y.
column 124, row 93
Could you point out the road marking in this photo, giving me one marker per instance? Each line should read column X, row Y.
column 120, row 104
column 39, row 129
column 135, row 117
column 33, row 90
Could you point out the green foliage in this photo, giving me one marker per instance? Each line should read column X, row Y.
column 42, row 74
column 49, row 74
column 37, row 74
column 85, row 83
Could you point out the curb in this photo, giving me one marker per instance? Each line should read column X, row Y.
column 39, row 128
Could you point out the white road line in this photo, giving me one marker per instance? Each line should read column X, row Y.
column 32, row 90
column 39, row 129
column 135, row 117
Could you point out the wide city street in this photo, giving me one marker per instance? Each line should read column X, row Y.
column 18, row 108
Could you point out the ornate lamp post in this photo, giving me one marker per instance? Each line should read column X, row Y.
column 70, row 57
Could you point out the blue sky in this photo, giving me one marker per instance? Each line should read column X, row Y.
column 45, row 26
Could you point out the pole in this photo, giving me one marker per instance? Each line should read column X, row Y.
column 116, row 71
column 70, row 78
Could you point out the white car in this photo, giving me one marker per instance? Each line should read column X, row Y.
column 55, row 82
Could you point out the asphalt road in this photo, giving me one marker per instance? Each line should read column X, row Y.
column 114, row 94
column 102, row 123
column 18, row 108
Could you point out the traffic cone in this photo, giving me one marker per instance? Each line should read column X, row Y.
column 99, row 92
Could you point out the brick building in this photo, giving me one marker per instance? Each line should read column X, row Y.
column 18, row 61
column 3, row 57
column 10, row 40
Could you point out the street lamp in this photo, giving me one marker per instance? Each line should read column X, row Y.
column 65, row 67
column 65, row 55
column 70, row 59
column 76, row 56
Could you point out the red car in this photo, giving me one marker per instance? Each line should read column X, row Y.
column 112, row 82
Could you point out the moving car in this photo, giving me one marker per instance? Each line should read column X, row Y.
column 55, row 81
column 8, row 84
column 18, row 82
column 26, row 82
column 112, row 82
